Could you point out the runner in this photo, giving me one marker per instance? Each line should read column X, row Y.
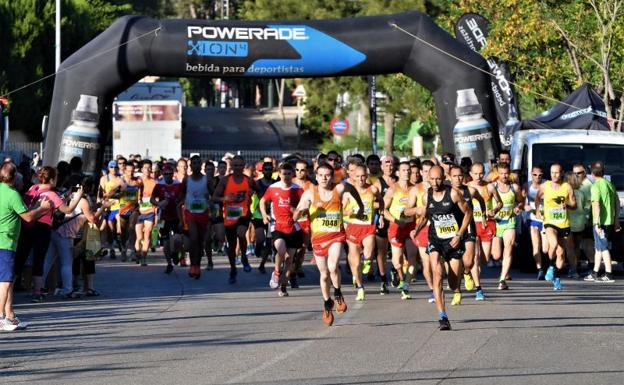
column 166, row 196
column 558, row 198
column 536, row 225
column 215, row 230
column 109, row 190
column 196, row 195
column 263, row 246
column 470, row 194
column 483, row 215
column 360, row 231
column 323, row 202
column 147, row 214
column 287, row 238
column 130, row 190
column 235, row 192
column 302, row 179
column 386, row 181
column 399, row 202
column 181, row 170
column 450, row 218
column 511, row 196
column 216, row 212
column 420, row 235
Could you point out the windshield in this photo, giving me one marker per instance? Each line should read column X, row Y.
column 568, row 154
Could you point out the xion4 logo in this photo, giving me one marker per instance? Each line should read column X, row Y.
column 243, row 33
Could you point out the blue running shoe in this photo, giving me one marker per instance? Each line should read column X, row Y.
column 232, row 279
column 557, row 283
column 480, row 296
column 550, row 274
column 247, row 268
column 540, row 275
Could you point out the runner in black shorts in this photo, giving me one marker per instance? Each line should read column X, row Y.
column 381, row 233
column 449, row 217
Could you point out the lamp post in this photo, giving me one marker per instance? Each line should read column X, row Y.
column 57, row 43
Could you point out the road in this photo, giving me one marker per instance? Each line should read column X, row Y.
column 149, row 328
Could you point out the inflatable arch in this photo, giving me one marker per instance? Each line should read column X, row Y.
column 135, row 46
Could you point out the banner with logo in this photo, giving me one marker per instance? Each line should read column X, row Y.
column 472, row 29
column 141, row 112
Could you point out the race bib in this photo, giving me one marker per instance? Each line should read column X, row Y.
column 557, row 215
column 477, row 214
column 328, row 224
column 506, row 212
column 145, row 203
column 232, row 213
column 214, row 210
column 446, row 227
column 198, row 205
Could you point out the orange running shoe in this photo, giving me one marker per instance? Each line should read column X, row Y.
column 328, row 317
column 341, row 305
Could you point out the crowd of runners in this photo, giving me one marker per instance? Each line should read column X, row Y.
column 391, row 217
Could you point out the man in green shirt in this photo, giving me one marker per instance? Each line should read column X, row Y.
column 12, row 211
column 605, row 217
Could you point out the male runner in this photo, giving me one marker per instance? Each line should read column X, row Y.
column 166, row 196
column 469, row 194
column 386, row 181
column 360, row 231
column 558, row 199
column 539, row 242
column 449, row 217
column 398, row 201
column 303, row 180
column 262, row 247
column 196, row 195
column 129, row 188
column 323, row 202
column 147, row 214
column 109, row 190
column 235, row 192
column 420, row 235
column 287, row 238
column 505, row 218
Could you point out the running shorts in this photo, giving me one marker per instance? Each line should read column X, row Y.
column 259, row 224
column 293, row 240
column 561, row 233
column 501, row 227
column 112, row 215
column 443, row 247
column 471, row 234
column 422, row 238
column 320, row 247
column 170, row 226
column 231, row 231
column 486, row 235
column 202, row 219
column 7, row 264
column 398, row 235
column 356, row 233
column 146, row 218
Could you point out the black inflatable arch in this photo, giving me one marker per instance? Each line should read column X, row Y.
column 135, row 46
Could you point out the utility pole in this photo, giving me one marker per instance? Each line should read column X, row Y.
column 57, row 43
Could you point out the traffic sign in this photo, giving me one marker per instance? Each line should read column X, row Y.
column 339, row 126
column 299, row 92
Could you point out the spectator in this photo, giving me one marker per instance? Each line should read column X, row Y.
column 578, row 220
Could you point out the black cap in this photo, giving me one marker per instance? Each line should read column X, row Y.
column 448, row 158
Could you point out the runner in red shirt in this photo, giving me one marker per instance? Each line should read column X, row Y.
column 284, row 197
column 166, row 196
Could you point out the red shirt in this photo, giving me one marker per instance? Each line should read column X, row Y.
column 283, row 200
column 172, row 192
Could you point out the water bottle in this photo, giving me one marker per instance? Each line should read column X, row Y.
column 82, row 137
column 472, row 134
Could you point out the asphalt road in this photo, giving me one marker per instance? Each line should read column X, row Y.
column 149, row 328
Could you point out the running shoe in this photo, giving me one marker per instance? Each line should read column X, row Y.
column 498, row 263
column 232, row 278
column 283, row 292
column 37, row 297
column 112, row 254
column 444, row 324
column 457, row 297
column 124, row 256
column 175, row 257
column 210, row 266
column 366, row 266
column 360, row 294
column 469, row 282
column 9, row 325
column 183, row 259
column 133, row 256
column 557, row 283
column 491, row 263
column 479, row 296
column 247, row 268
column 550, row 274
column 605, row 278
column 591, row 277
column 394, row 278
column 540, row 275
column 572, row 273
column 238, row 260
column 293, row 282
column 168, row 269
column 502, row 285
column 341, row 305
column 274, row 281
column 328, row 317
column 383, row 289
column 405, row 295
column 262, row 269
column 144, row 261
column 431, row 298
column 191, row 271
column 401, row 285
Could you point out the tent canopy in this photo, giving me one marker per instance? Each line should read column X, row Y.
column 583, row 109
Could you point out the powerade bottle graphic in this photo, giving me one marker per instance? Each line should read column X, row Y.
column 472, row 134
column 82, row 137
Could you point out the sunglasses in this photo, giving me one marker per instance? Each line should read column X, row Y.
column 538, row 174
column 579, row 173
